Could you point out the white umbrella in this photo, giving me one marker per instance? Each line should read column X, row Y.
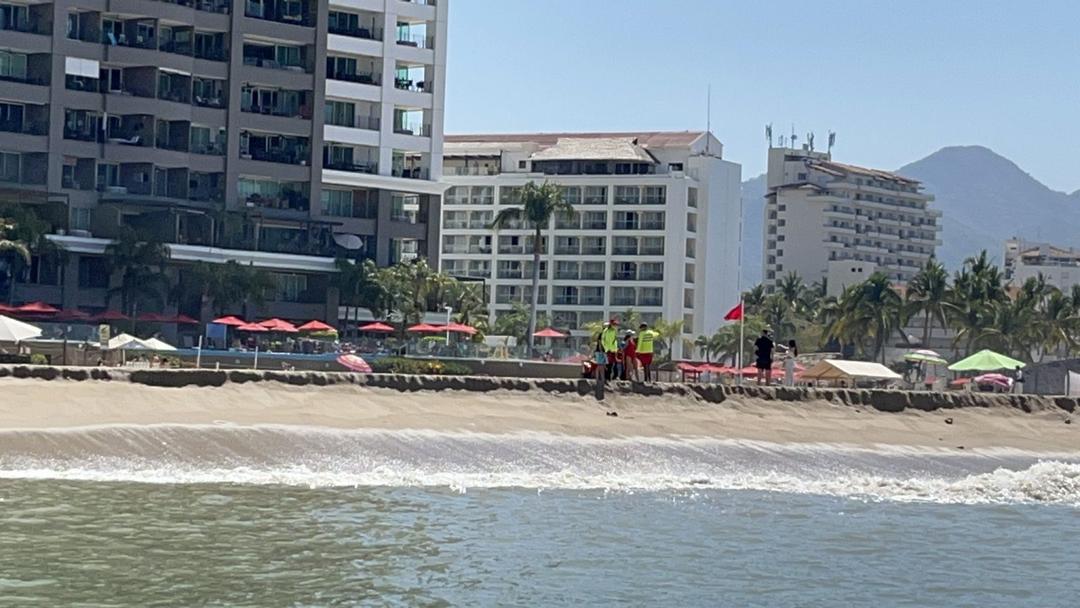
column 13, row 330
column 128, row 342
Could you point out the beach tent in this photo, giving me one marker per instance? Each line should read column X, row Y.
column 985, row 361
column 12, row 330
column 834, row 370
column 156, row 344
column 128, row 342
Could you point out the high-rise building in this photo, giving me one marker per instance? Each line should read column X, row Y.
column 828, row 221
column 655, row 228
column 1059, row 266
column 276, row 133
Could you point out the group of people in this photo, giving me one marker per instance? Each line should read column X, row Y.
column 764, row 348
column 627, row 355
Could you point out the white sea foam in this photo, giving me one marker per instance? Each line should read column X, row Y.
column 311, row 457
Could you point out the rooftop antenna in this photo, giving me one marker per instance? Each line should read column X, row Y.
column 708, row 117
column 768, row 134
column 794, row 137
column 783, row 141
column 810, row 140
column 832, row 140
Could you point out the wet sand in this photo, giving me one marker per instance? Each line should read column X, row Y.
column 40, row 404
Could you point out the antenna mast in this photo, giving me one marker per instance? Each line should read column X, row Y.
column 708, row 117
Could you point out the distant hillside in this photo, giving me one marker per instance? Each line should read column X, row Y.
column 753, row 197
column 986, row 199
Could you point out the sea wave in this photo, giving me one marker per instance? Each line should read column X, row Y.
column 316, row 457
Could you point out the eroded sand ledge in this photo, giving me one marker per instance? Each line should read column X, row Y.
column 52, row 397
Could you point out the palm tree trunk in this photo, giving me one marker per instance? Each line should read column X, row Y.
column 926, row 330
column 535, row 290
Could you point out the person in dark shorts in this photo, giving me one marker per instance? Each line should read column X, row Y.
column 763, row 350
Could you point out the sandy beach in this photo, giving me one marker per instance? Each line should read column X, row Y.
column 38, row 404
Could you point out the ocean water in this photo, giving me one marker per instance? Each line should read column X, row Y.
column 284, row 516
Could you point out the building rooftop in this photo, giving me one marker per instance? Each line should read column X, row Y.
column 596, row 148
column 835, row 168
column 645, row 139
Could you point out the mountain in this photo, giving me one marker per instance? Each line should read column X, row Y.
column 753, row 200
column 986, row 198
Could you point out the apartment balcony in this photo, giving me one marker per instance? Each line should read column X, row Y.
column 410, row 172
column 623, row 300
column 289, row 156
column 624, row 250
column 371, row 78
column 473, row 170
column 292, row 12
column 417, row 41
column 287, row 201
column 415, row 129
column 411, row 84
column 302, row 111
column 25, row 127
column 355, row 31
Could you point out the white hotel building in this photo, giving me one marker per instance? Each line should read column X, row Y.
column 656, row 228
column 830, row 221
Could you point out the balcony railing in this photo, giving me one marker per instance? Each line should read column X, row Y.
column 272, row 64
column 407, row 84
column 211, row 149
column 28, row 27
column 209, row 6
column 26, row 127
column 592, row 300
column 286, row 201
column 282, row 11
column 410, row 172
column 356, row 32
column 486, row 170
column 413, row 129
column 81, row 134
column 360, row 77
column 285, row 111
column 416, row 40
column 354, row 167
column 289, row 157
column 209, row 102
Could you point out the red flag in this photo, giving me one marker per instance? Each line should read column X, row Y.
column 735, row 314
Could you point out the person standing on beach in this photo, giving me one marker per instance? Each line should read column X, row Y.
column 609, row 341
column 646, row 342
column 789, row 363
column 630, row 356
column 1018, row 380
column 763, row 350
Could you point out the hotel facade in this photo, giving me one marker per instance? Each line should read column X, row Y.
column 655, row 228
column 274, row 133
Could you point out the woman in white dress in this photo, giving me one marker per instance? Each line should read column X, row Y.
column 789, row 363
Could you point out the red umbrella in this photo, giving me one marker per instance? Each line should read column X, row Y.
column 549, row 332
column 315, row 326
column 254, row 327
column 279, row 325
column 424, row 328
column 230, row 321
column 38, row 308
column 355, row 363
column 460, row 328
column 377, row 327
column 185, row 320
column 110, row 315
column 6, row 308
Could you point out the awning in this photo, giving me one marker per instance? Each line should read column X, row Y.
column 77, row 66
column 835, row 369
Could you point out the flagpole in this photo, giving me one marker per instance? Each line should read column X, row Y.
column 742, row 307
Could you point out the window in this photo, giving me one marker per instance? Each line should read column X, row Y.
column 93, row 273
column 625, row 245
column 404, row 208
column 340, row 113
column 624, row 271
column 655, row 195
column 675, row 166
column 691, row 197
column 688, row 298
column 80, row 218
column 337, row 203
column 650, row 296
column 482, row 195
column 571, row 194
column 626, row 220
column 651, row 271
column 594, row 220
column 9, row 167
column 652, row 245
column 457, row 195
column 623, row 296
column 652, row 220
column 565, row 294
column 594, row 245
column 508, row 195
column 108, row 175
column 523, row 164
column 12, row 65
column 592, row 271
column 591, row 296
column 208, row 92
column 595, row 195
column 691, row 222
column 688, row 323
column 567, row 245
column 566, row 270
column 290, row 287
column 688, row 274
column 404, row 250
column 691, row 248
column 627, row 195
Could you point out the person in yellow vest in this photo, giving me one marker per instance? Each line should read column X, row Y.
column 609, row 341
column 646, row 344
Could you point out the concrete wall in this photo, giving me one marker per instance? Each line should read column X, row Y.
column 885, row 401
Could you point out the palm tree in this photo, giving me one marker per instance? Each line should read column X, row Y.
column 881, row 306
column 516, row 322
column 753, row 298
column 928, row 293
column 539, row 204
column 704, row 344
column 791, row 288
column 356, row 286
column 141, row 265
column 978, row 289
column 22, row 233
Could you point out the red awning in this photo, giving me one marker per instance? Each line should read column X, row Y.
column 354, row 363
column 153, row 317
column 253, row 327
column 460, row 328
column 315, row 326
column 377, row 327
column 549, row 332
column 230, row 321
column 185, row 320
column 38, row 308
column 73, row 314
column 424, row 328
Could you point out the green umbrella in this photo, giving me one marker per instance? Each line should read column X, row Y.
column 985, row 361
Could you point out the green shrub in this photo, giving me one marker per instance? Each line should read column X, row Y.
column 38, row 359
column 12, row 358
column 400, row 365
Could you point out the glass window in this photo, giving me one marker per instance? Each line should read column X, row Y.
column 655, row 195
column 338, row 203
column 483, row 195
column 508, row 195
column 595, row 195
column 80, row 218
column 340, row 113
column 592, row 271
column 290, row 287
column 652, row 245
column 9, row 167
column 627, row 195
column 688, row 275
column 691, row 197
column 93, row 273
column 457, row 195
column 571, row 194
column 691, row 248
column 691, row 222
column 404, row 208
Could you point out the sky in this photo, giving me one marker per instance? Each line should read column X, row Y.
column 895, row 80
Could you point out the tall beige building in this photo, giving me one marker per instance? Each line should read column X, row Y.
column 840, row 223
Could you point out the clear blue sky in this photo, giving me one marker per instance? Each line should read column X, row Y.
column 895, row 80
